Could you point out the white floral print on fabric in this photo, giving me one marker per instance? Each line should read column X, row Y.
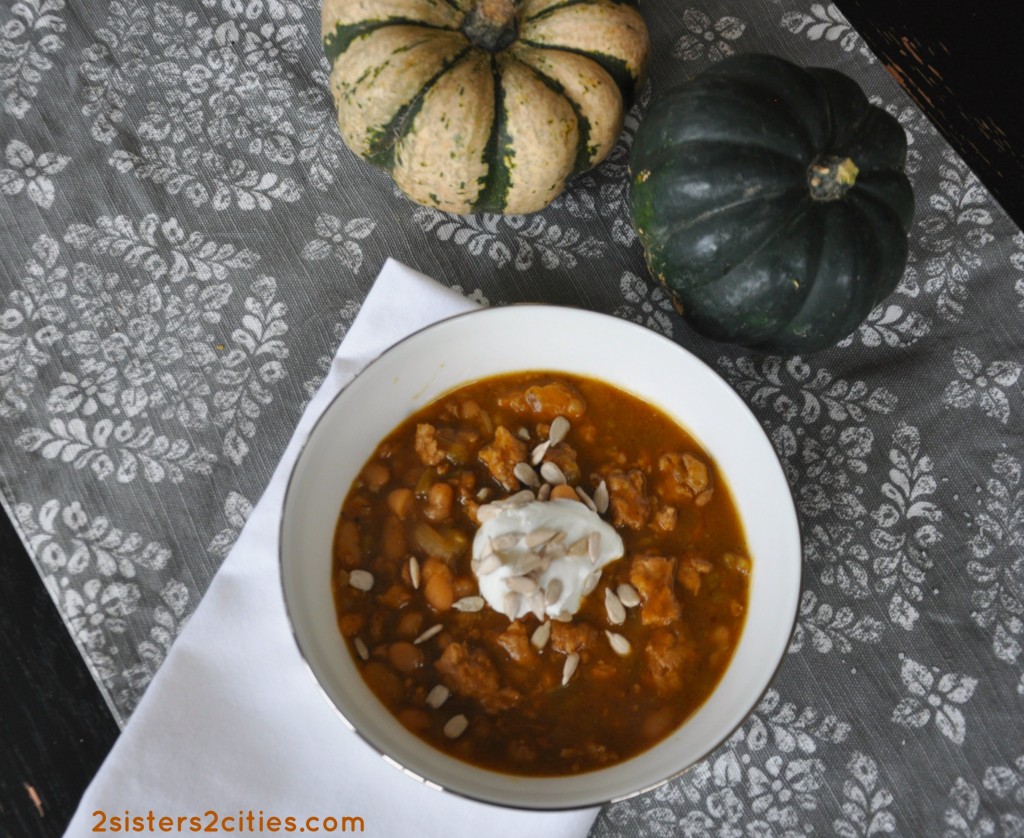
column 952, row 237
column 28, row 40
column 964, row 816
column 31, row 173
column 646, row 303
column 340, row 239
column 1007, row 782
column 320, row 144
column 866, row 804
column 982, row 385
column 152, row 353
column 215, row 121
column 828, row 628
column 997, row 566
column 917, row 127
column 826, row 23
column 890, row 325
column 323, row 363
column 764, row 782
column 237, row 509
column 30, row 325
column 92, row 570
column 905, row 527
column 161, row 248
column 934, row 695
column 522, row 240
column 708, row 39
column 868, row 535
column 1017, row 261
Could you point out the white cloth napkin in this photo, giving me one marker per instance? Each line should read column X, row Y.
column 233, row 721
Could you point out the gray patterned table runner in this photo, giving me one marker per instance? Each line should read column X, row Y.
column 185, row 241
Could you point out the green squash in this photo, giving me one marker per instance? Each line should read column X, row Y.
column 771, row 202
column 483, row 105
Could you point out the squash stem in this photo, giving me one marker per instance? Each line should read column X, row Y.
column 491, row 24
column 830, row 177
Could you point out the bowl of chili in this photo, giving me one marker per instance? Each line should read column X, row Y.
column 540, row 557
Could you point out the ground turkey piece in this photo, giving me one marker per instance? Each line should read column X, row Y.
column 572, row 637
column 682, row 477
column 516, row 642
column 665, row 519
column 564, row 456
column 653, row 577
column 546, row 401
column 630, row 506
column 501, row 457
column 471, row 674
column 667, row 656
column 426, row 445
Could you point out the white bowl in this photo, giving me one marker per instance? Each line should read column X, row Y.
column 536, row 337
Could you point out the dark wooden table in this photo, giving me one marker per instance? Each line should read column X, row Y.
column 959, row 61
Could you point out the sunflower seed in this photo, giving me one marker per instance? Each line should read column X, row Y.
column 618, row 643
column 469, row 603
column 506, row 540
column 563, row 617
column 594, row 546
column 456, row 726
column 520, row 497
column 521, row 584
column 488, row 565
column 527, row 564
column 553, row 591
column 614, row 607
column 586, row 498
column 430, row 632
column 571, row 662
column 601, row 498
column 536, row 602
column 526, row 475
column 552, row 473
column 559, row 428
column 553, row 550
column 484, row 494
column 510, row 605
column 523, row 434
column 361, row 649
column 544, row 492
column 438, row 696
column 487, row 513
column 361, row 580
column 628, row 595
column 538, row 453
column 704, row 498
column 540, row 636
column 414, row 572
column 578, row 548
column 539, row 536
column 591, row 582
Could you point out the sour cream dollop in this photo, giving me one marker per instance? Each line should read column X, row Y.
column 502, row 553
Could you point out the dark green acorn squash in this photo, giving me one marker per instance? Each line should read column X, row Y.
column 771, row 202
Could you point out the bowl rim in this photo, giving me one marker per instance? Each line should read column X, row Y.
column 671, row 345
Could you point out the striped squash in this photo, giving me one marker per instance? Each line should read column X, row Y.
column 483, row 105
